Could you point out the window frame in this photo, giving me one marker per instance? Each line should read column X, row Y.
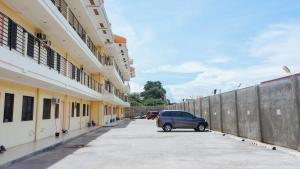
column 27, row 114
column 46, row 115
column 56, row 111
column 10, row 114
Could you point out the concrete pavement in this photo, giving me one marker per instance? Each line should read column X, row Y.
column 142, row 145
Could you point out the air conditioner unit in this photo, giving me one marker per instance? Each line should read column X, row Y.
column 55, row 100
column 41, row 36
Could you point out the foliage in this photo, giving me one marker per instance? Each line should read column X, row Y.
column 153, row 102
column 154, row 94
column 154, row 89
column 135, row 99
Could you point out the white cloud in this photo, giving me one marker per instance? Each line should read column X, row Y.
column 275, row 47
column 219, row 60
column 135, row 87
column 187, row 67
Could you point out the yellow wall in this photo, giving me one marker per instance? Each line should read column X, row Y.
column 26, row 131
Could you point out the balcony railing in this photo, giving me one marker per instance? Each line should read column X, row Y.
column 63, row 8
column 16, row 38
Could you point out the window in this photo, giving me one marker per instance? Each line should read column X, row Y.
column 104, row 31
column 73, row 109
column 27, row 108
column 73, row 72
column 105, row 110
column 58, row 62
column 56, row 111
column 101, row 25
column 78, row 75
column 30, row 45
column 8, row 107
column 50, row 58
column 186, row 115
column 166, row 113
column 78, row 109
column 87, row 110
column 83, row 109
column 47, row 109
column 12, row 34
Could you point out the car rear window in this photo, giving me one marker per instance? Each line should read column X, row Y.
column 166, row 113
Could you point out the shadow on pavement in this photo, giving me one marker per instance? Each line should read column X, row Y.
column 46, row 159
column 183, row 131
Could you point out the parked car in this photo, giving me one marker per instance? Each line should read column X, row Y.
column 151, row 114
column 173, row 119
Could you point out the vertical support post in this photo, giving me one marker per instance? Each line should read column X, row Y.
column 37, row 114
column 221, row 112
column 194, row 105
column 200, row 106
column 259, row 113
column 296, row 98
column 209, row 112
column 237, row 113
column 80, row 113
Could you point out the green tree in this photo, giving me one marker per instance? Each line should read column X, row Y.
column 135, row 99
column 154, row 89
column 153, row 102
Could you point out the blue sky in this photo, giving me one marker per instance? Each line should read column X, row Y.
column 195, row 46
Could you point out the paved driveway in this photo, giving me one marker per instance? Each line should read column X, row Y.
column 141, row 145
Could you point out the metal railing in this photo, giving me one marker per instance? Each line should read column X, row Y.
column 63, row 8
column 16, row 38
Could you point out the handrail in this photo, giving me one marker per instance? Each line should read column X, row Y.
column 17, row 38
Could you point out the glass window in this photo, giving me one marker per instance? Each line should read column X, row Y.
column 73, row 109
column 27, row 108
column 187, row 115
column 8, row 107
column 56, row 111
column 47, row 109
column 83, row 109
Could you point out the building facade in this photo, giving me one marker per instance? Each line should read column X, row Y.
column 61, row 68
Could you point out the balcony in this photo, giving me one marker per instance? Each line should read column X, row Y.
column 51, row 66
column 112, row 71
column 113, row 95
column 62, row 27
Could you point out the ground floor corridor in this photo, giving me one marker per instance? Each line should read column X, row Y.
column 141, row 145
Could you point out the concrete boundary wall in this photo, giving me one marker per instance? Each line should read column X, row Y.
column 248, row 113
column 268, row 112
column 229, row 113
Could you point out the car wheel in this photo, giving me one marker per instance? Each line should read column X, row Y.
column 196, row 129
column 201, row 127
column 167, row 128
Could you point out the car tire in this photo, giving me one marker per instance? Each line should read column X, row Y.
column 167, row 127
column 201, row 127
column 196, row 129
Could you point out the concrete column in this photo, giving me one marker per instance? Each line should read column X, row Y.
column 200, row 106
column 295, row 90
column 259, row 113
column 237, row 113
column 209, row 111
column 37, row 102
column 194, row 105
column 221, row 112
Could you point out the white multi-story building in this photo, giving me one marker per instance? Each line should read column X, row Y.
column 61, row 68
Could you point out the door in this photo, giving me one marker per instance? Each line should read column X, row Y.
column 188, row 120
column 177, row 120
